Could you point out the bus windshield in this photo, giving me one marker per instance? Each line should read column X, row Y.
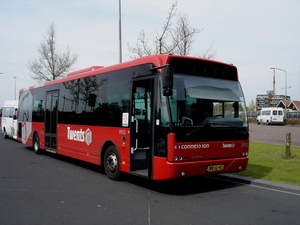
column 198, row 101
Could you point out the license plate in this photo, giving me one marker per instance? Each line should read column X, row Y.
column 214, row 168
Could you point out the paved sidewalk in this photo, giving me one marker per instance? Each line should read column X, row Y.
column 261, row 183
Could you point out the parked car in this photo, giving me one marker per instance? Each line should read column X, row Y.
column 271, row 116
column 9, row 119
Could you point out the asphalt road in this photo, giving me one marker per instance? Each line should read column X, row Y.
column 50, row 189
column 275, row 134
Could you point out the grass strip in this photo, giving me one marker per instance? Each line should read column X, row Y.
column 268, row 162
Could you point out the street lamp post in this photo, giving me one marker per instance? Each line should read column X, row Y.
column 120, row 32
column 273, row 68
column 15, row 88
column 274, row 95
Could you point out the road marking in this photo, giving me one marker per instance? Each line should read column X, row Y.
column 272, row 189
column 149, row 212
column 257, row 186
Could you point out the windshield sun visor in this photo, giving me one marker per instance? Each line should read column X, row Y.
column 212, row 93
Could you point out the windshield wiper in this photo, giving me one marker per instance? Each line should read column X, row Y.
column 197, row 129
column 207, row 125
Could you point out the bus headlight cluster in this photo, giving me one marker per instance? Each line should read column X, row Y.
column 244, row 153
column 176, row 158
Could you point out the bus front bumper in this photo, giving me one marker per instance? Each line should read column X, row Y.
column 164, row 170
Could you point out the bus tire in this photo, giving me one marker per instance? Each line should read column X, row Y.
column 36, row 144
column 111, row 163
column 5, row 133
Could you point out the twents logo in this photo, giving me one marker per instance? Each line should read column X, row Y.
column 79, row 135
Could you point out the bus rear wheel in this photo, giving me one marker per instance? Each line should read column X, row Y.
column 112, row 163
column 36, row 144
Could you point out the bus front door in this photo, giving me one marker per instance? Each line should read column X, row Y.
column 51, row 121
column 141, row 126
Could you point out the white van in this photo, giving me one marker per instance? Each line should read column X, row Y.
column 9, row 119
column 271, row 116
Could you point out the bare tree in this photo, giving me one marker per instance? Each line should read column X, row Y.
column 210, row 53
column 183, row 36
column 51, row 64
column 177, row 41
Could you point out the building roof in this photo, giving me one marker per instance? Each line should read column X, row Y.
column 290, row 104
column 294, row 105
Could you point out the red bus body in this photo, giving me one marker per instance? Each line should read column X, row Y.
column 121, row 117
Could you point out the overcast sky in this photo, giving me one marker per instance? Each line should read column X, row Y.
column 254, row 35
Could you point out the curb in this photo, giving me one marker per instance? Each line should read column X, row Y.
column 261, row 183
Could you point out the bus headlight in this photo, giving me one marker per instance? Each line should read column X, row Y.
column 176, row 158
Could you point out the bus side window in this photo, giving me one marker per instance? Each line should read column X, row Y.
column 15, row 114
column 5, row 112
column 11, row 112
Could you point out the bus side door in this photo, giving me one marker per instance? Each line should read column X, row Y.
column 51, row 120
column 141, row 125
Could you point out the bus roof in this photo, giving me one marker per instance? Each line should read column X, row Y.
column 11, row 103
column 157, row 60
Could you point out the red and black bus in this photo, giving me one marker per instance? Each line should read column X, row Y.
column 160, row 117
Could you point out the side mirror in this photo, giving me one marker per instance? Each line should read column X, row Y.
column 167, row 76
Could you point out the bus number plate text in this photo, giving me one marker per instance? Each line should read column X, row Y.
column 214, row 168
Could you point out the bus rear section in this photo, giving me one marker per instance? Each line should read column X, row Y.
column 9, row 119
column 271, row 116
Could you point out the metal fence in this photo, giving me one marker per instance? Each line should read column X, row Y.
column 289, row 115
column 293, row 115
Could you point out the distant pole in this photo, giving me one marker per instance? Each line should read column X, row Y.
column 274, row 95
column 15, row 88
column 120, row 31
column 285, row 84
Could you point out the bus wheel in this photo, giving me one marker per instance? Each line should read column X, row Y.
column 112, row 163
column 36, row 144
column 5, row 134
